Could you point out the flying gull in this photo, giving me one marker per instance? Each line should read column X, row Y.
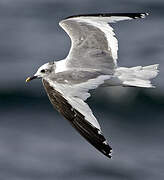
column 91, row 62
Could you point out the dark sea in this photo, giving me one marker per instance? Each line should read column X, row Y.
column 37, row 143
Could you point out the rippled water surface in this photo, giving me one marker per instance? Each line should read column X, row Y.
column 35, row 141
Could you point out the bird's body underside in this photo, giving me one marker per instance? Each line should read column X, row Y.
column 91, row 62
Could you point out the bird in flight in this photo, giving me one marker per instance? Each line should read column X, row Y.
column 91, row 62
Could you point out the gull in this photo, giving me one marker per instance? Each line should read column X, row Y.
column 91, row 63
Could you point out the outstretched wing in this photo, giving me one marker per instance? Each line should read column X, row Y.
column 77, row 112
column 93, row 41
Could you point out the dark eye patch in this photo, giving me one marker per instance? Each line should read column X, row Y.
column 42, row 71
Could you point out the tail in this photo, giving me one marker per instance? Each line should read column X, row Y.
column 138, row 76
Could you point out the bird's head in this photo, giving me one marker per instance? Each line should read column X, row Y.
column 44, row 71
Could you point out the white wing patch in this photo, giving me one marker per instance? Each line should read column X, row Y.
column 60, row 66
column 81, row 90
column 77, row 94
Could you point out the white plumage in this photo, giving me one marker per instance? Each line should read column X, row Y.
column 91, row 62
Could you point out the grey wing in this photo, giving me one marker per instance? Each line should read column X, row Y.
column 94, row 44
column 78, row 120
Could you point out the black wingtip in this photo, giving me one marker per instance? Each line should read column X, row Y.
column 106, row 150
column 131, row 15
column 141, row 15
column 109, row 155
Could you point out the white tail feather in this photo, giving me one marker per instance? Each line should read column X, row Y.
column 138, row 76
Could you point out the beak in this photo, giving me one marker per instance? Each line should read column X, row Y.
column 31, row 78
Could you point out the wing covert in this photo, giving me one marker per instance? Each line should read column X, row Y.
column 93, row 41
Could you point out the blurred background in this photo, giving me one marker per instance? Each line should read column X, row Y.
column 38, row 143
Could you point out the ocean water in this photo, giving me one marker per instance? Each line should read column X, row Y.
column 38, row 143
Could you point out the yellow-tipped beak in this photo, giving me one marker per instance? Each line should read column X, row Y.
column 28, row 79
column 31, row 78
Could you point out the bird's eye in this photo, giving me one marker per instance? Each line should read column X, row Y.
column 42, row 71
